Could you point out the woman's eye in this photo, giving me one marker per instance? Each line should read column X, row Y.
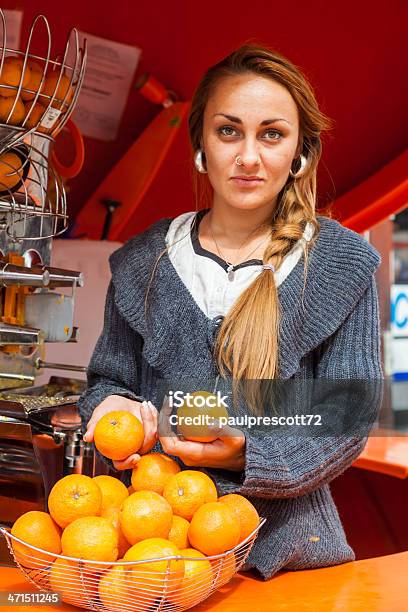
column 274, row 133
column 224, row 130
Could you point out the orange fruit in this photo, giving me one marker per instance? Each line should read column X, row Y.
column 130, row 489
column 145, row 514
column 72, row 497
column 194, row 422
column 224, row 568
column 34, row 81
column 153, row 471
column 11, row 170
column 35, row 116
column 178, row 532
column 75, row 584
column 187, row 491
column 113, row 516
column 114, row 492
column 38, row 529
column 245, row 513
column 214, row 529
column 149, row 579
column 11, row 75
column 18, row 114
column 61, row 90
column 197, row 580
column 114, row 592
column 92, row 538
column 118, row 434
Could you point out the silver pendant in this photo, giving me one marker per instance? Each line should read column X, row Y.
column 230, row 271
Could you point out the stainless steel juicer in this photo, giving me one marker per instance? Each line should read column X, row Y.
column 40, row 427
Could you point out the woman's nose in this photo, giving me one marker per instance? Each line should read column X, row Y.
column 249, row 155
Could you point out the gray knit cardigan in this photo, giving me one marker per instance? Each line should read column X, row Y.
column 329, row 332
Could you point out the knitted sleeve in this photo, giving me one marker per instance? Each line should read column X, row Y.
column 114, row 368
column 279, row 466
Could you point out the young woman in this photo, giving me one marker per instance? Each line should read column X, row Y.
column 254, row 285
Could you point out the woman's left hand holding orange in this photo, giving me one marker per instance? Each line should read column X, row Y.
column 226, row 452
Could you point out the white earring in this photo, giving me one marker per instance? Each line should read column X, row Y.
column 198, row 161
column 301, row 171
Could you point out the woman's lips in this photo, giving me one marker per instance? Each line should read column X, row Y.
column 247, row 182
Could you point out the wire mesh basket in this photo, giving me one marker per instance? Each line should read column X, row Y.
column 38, row 93
column 29, row 188
column 169, row 584
column 37, row 96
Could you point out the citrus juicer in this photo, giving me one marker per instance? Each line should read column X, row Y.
column 40, row 427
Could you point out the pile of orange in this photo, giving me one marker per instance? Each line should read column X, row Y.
column 19, row 85
column 99, row 520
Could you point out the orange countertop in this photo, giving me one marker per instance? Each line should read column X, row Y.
column 369, row 585
column 386, row 453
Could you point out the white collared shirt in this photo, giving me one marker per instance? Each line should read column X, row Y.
column 205, row 274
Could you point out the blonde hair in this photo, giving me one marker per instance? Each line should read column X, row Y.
column 248, row 339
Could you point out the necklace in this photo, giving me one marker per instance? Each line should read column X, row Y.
column 231, row 266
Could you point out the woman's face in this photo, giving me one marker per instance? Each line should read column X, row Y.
column 257, row 119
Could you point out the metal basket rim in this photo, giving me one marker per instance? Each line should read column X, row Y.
column 18, row 128
column 40, row 17
column 7, row 534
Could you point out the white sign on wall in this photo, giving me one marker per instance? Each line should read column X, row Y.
column 399, row 311
column 110, row 69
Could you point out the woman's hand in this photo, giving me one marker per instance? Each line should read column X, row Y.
column 145, row 412
column 226, row 452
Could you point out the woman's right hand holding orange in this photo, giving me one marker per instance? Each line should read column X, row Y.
column 144, row 411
